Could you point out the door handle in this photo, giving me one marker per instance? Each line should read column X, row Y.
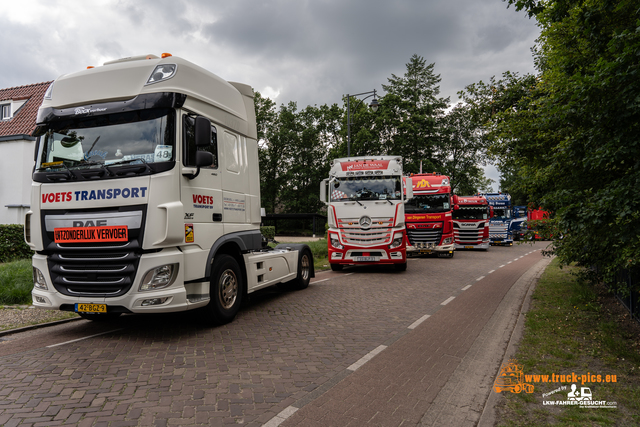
column 217, row 217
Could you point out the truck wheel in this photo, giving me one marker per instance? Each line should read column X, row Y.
column 336, row 267
column 305, row 261
column 225, row 290
column 400, row 267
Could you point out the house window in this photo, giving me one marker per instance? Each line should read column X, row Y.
column 5, row 111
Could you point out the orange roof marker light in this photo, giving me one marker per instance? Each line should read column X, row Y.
column 166, row 55
column 90, row 67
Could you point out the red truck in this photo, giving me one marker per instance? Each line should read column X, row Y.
column 428, row 216
column 471, row 216
column 536, row 221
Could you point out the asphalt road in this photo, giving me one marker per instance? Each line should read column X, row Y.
column 364, row 346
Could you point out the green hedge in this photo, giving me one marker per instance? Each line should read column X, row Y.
column 269, row 232
column 12, row 244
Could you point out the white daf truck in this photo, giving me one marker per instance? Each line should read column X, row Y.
column 365, row 211
column 146, row 194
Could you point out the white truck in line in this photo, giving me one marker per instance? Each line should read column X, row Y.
column 146, row 194
column 365, row 211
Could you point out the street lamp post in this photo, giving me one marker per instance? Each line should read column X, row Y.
column 374, row 107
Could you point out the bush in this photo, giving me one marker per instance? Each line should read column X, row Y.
column 16, row 282
column 268, row 232
column 12, row 244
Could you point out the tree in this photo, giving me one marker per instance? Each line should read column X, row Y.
column 409, row 117
column 576, row 146
column 463, row 150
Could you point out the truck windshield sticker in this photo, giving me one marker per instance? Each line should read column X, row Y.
column 163, row 153
column 116, row 233
column 363, row 166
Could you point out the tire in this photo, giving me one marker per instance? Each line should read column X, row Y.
column 336, row 267
column 99, row 317
column 225, row 290
column 400, row 267
column 305, row 263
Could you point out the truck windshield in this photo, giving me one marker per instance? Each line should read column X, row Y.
column 470, row 212
column 366, row 188
column 428, row 203
column 137, row 137
column 501, row 213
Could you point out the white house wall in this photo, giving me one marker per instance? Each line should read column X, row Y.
column 16, row 164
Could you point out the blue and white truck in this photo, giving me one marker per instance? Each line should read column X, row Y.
column 500, row 223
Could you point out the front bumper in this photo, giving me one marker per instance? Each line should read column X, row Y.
column 430, row 248
column 178, row 298
column 363, row 256
column 483, row 245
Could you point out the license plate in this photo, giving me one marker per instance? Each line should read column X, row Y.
column 468, row 247
column 425, row 251
column 91, row 308
column 365, row 259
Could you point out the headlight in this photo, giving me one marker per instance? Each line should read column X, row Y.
column 397, row 241
column 159, row 277
column 38, row 279
column 335, row 242
column 447, row 241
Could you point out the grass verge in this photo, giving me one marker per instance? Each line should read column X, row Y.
column 16, row 282
column 320, row 252
column 573, row 327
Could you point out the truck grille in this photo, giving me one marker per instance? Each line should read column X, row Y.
column 498, row 232
column 468, row 236
column 96, row 271
column 424, row 237
column 378, row 233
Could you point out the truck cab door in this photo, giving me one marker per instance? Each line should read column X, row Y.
column 201, row 193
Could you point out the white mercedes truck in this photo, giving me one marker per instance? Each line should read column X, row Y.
column 365, row 211
column 146, row 194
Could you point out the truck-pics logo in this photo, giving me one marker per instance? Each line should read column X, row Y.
column 105, row 194
column 511, row 378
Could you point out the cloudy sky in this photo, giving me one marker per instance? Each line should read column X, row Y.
column 307, row 51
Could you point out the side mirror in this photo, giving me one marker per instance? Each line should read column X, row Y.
column 323, row 191
column 203, row 132
column 203, row 158
column 408, row 185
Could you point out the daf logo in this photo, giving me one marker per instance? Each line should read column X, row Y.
column 365, row 222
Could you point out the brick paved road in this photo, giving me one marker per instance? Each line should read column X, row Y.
column 285, row 350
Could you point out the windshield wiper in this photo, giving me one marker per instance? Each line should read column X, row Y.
column 135, row 168
column 55, row 174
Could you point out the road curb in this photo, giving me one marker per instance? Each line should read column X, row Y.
column 38, row 326
column 488, row 416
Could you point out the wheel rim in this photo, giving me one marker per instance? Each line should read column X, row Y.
column 228, row 289
column 305, row 267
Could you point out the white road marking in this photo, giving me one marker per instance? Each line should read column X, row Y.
column 501, row 266
column 491, row 272
column 366, row 357
column 466, row 287
column 318, row 281
column 83, row 338
column 447, row 301
column 281, row 417
column 420, row 320
column 479, row 278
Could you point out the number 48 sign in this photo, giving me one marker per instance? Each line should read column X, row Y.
column 163, row 153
